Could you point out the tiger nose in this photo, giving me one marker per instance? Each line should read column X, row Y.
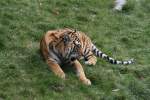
column 73, row 58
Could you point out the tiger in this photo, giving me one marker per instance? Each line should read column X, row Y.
column 69, row 46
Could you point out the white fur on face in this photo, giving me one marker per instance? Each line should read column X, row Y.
column 119, row 4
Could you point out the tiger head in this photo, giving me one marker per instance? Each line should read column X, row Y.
column 72, row 45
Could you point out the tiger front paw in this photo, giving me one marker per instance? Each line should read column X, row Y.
column 61, row 75
column 86, row 81
column 91, row 61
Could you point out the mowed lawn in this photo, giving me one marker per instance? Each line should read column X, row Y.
column 122, row 35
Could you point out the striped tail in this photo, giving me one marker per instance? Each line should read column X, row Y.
column 99, row 53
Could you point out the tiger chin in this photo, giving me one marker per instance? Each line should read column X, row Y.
column 68, row 46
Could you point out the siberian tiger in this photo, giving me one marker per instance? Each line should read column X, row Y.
column 68, row 46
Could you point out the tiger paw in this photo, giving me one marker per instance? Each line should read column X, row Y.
column 61, row 75
column 86, row 81
column 91, row 61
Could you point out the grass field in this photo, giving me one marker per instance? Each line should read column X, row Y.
column 123, row 35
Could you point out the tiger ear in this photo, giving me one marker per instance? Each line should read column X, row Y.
column 66, row 39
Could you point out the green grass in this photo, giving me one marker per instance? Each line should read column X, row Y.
column 25, row 76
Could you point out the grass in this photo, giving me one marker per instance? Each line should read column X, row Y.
column 25, row 76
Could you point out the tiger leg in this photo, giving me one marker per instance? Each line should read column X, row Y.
column 80, row 73
column 56, row 68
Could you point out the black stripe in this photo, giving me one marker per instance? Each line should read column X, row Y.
column 71, row 50
column 111, row 61
column 101, row 54
column 86, row 53
column 86, row 58
column 115, row 62
column 128, row 63
column 94, row 50
column 107, row 58
column 97, row 52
